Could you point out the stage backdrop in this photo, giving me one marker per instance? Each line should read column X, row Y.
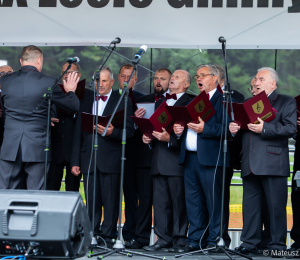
column 246, row 24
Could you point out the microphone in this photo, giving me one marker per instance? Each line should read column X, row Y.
column 222, row 39
column 115, row 41
column 72, row 60
column 139, row 55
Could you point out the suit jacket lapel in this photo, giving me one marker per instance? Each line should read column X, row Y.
column 273, row 97
column 215, row 97
column 110, row 102
column 182, row 100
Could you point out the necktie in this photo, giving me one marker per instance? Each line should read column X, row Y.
column 158, row 97
column 207, row 94
column 101, row 97
column 173, row 96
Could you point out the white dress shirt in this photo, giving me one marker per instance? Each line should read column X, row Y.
column 101, row 104
column 191, row 137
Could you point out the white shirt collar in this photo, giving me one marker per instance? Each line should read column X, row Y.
column 168, row 91
column 271, row 93
column 107, row 95
column 211, row 93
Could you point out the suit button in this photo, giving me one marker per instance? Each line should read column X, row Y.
column 252, row 146
column 63, row 121
column 63, row 136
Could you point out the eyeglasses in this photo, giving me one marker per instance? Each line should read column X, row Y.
column 201, row 76
column 2, row 73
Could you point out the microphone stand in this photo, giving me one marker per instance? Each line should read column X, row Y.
column 220, row 246
column 48, row 96
column 96, row 78
column 119, row 247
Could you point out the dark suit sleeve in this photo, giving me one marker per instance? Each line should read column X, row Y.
column 117, row 132
column 68, row 102
column 287, row 126
column 77, row 139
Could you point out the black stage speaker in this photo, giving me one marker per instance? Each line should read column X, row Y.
column 45, row 224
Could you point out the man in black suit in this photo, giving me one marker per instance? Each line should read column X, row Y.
column 143, row 166
column 61, row 144
column 234, row 152
column 170, row 218
column 4, row 70
column 25, row 131
column 130, row 184
column 108, row 157
column 265, row 166
column 200, row 155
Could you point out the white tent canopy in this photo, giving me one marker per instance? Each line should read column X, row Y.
column 246, row 24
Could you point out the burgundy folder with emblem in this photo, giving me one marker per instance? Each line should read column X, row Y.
column 200, row 106
column 160, row 118
column 249, row 111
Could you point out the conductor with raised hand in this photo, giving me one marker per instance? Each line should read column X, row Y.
column 22, row 151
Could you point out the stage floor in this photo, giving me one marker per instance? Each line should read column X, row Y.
column 171, row 256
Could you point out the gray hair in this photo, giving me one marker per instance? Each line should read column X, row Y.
column 212, row 70
column 108, row 69
column 273, row 73
column 75, row 64
column 221, row 71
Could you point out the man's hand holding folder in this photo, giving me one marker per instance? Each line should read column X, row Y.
column 158, row 126
column 188, row 116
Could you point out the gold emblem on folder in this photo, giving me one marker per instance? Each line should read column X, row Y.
column 258, row 107
column 163, row 118
column 200, row 106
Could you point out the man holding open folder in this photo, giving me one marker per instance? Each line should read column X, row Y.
column 108, row 156
column 265, row 166
column 143, row 157
column 170, row 219
column 201, row 155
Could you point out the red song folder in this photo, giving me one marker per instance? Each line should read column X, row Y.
column 87, row 121
column 160, row 118
column 249, row 111
column 200, row 106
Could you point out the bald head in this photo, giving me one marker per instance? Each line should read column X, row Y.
column 5, row 69
column 180, row 81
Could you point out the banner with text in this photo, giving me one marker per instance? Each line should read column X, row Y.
column 246, row 24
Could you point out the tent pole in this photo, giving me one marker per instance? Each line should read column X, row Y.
column 275, row 59
column 151, row 70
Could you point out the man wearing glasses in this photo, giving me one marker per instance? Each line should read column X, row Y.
column 201, row 155
column 4, row 70
column 61, row 144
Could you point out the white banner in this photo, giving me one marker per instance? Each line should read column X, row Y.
column 246, row 24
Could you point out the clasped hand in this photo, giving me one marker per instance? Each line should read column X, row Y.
column 101, row 128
